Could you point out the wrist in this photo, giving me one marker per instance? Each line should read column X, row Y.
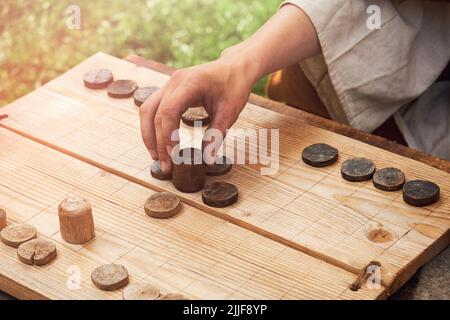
column 243, row 60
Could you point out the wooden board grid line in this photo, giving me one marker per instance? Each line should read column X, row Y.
column 359, row 203
column 272, row 279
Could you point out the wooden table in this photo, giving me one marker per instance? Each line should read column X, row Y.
column 300, row 233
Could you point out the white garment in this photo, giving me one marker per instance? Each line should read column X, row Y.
column 425, row 123
column 364, row 76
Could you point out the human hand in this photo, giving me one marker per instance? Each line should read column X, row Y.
column 222, row 87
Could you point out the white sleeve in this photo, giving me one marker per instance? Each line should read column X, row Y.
column 375, row 71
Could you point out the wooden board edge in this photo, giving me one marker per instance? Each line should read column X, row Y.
column 19, row 291
column 317, row 121
column 427, row 255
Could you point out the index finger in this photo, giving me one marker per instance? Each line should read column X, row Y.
column 167, row 121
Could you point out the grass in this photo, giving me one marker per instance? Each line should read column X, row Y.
column 36, row 45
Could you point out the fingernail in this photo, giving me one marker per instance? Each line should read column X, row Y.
column 165, row 168
column 154, row 155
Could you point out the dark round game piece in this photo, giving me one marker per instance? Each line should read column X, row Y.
column 122, row 89
column 319, row 155
column 357, row 169
column 196, row 114
column 388, row 179
column 98, row 79
column 419, row 193
column 141, row 94
column 156, row 172
column 188, row 170
column 219, row 169
column 219, row 194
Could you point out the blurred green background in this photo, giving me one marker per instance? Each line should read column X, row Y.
column 36, row 45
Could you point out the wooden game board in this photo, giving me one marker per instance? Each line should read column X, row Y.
column 301, row 233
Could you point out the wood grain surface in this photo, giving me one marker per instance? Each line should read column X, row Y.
column 300, row 221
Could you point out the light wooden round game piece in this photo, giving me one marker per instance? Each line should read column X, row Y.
column 122, row 89
column 388, row 179
column 156, row 172
column 173, row 296
column 110, row 277
column 140, row 291
column 37, row 251
column 197, row 114
column 141, row 94
column 219, row 194
column 357, row 169
column 98, row 79
column 2, row 219
column 76, row 222
column 162, row 205
column 419, row 193
column 17, row 234
column 189, row 175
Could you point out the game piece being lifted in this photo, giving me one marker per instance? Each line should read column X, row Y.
column 122, row 89
column 319, row 155
column 110, row 277
column 221, row 166
column 419, row 193
column 142, row 94
column 76, row 222
column 38, row 252
column 156, row 172
column 219, row 194
column 188, row 173
column 98, row 79
column 2, row 219
column 15, row 235
column 388, row 179
column 197, row 114
column 162, row 205
column 140, row 291
column 357, row 169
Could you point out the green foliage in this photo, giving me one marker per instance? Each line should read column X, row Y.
column 36, row 45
